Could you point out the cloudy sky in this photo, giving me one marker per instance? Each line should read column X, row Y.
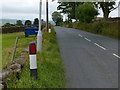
column 25, row 9
column 29, row 9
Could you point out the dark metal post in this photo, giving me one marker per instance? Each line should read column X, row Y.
column 47, row 15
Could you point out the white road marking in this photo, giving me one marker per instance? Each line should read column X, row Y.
column 116, row 55
column 87, row 39
column 100, row 46
column 80, row 35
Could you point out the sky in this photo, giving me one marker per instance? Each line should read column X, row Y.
column 26, row 9
column 29, row 9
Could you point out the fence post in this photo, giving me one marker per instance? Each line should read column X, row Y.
column 13, row 54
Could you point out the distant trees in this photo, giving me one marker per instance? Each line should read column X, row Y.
column 19, row 23
column 28, row 22
column 86, row 12
column 36, row 21
column 57, row 17
column 8, row 25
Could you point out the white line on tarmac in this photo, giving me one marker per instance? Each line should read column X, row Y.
column 100, row 46
column 116, row 55
column 80, row 35
column 87, row 39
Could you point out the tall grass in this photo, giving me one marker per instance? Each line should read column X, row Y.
column 106, row 28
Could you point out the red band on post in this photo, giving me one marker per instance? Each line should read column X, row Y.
column 32, row 48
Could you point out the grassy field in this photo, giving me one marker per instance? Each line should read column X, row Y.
column 8, row 41
column 50, row 68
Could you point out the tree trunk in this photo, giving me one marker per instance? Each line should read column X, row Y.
column 106, row 13
column 105, row 10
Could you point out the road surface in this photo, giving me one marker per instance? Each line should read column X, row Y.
column 90, row 60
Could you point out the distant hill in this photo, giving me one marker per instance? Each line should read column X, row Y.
column 13, row 21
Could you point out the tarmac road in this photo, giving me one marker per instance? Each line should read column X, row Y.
column 90, row 60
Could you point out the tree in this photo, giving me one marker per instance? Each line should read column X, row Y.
column 107, row 7
column 69, row 8
column 28, row 22
column 86, row 12
column 57, row 17
column 19, row 23
column 36, row 21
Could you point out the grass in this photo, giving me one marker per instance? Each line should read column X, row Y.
column 8, row 41
column 105, row 28
column 50, row 68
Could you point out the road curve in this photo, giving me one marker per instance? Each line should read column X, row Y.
column 90, row 60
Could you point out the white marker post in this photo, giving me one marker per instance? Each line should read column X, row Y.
column 33, row 63
column 49, row 30
column 39, row 36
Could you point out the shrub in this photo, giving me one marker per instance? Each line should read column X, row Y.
column 98, row 27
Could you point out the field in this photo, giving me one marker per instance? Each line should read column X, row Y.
column 50, row 67
column 8, row 41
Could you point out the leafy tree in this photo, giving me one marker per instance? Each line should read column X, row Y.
column 36, row 21
column 69, row 8
column 107, row 7
column 57, row 17
column 19, row 23
column 28, row 22
column 86, row 12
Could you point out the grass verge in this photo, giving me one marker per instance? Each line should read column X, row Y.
column 50, row 68
column 105, row 28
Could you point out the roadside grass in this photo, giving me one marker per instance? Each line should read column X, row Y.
column 50, row 67
column 105, row 28
column 8, row 41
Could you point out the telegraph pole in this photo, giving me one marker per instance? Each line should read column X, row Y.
column 47, row 15
column 39, row 36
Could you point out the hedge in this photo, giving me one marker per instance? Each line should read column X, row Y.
column 12, row 29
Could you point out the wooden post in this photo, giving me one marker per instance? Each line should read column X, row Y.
column 13, row 54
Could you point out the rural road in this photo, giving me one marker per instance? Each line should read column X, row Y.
column 90, row 60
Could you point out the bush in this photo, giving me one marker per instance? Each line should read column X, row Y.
column 98, row 27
